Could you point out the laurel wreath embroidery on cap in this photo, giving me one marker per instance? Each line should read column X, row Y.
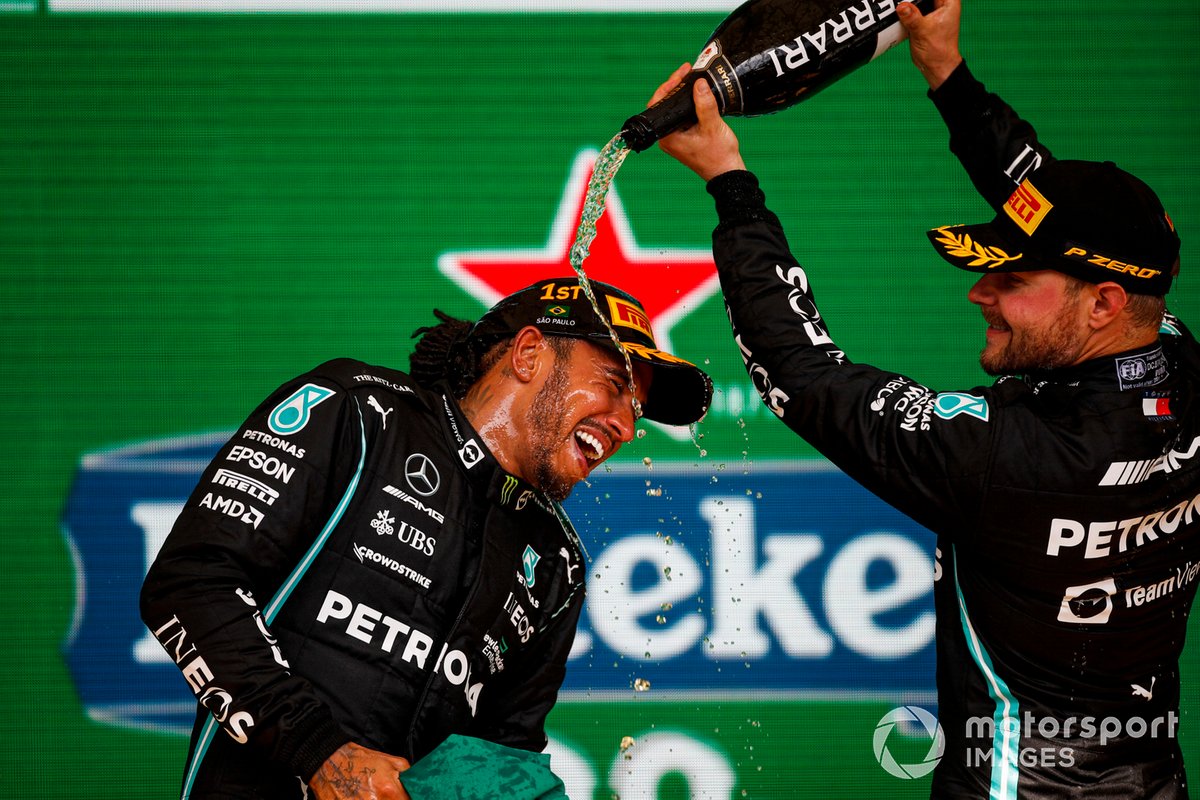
column 965, row 247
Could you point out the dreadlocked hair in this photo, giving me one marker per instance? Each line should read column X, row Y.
column 446, row 352
column 443, row 353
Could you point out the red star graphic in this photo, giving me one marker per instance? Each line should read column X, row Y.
column 670, row 283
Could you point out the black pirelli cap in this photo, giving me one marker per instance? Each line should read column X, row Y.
column 1091, row 220
column 680, row 392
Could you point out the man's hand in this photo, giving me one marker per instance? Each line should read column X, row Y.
column 354, row 772
column 709, row 147
column 933, row 38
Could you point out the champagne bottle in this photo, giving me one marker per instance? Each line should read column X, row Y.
column 768, row 55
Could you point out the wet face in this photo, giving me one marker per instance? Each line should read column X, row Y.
column 1036, row 320
column 580, row 416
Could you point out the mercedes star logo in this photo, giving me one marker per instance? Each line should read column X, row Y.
column 421, row 474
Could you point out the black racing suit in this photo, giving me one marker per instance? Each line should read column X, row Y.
column 356, row 566
column 1066, row 506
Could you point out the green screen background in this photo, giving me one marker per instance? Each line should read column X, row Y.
column 195, row 207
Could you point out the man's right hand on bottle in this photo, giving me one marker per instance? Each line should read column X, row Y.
column 355, row 772
column 708, row 148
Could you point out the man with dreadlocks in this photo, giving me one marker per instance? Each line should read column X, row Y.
column 378, row 560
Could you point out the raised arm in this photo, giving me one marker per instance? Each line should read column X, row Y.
column 996, row 146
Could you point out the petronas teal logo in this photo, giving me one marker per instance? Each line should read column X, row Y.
column 292, row 414
column 949, row 405
column 529, row 560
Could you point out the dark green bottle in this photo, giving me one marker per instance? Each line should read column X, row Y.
column 768, row 55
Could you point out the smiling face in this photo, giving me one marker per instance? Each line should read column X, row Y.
column 580, row 415
column 1036, row 320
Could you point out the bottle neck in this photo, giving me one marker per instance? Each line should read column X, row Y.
column 673, row 112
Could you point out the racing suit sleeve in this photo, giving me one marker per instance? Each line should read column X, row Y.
column 880, row 428
column 516, row 714
column 255, row 515
column 997, row 148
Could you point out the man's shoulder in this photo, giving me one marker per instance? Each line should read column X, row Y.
column 354, row 375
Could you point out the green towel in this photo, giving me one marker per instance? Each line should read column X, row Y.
column 464, row 768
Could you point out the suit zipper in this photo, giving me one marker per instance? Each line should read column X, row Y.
column 462, row 612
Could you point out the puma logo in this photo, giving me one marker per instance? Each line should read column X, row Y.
column 373, row 403
column 570, row 567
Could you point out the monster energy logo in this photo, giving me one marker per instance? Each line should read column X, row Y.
column 506, row 492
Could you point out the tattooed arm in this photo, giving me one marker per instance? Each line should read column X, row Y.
column 354, row 772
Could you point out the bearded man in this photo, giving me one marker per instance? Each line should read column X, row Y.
column 1065, row 497
column 377, row 561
